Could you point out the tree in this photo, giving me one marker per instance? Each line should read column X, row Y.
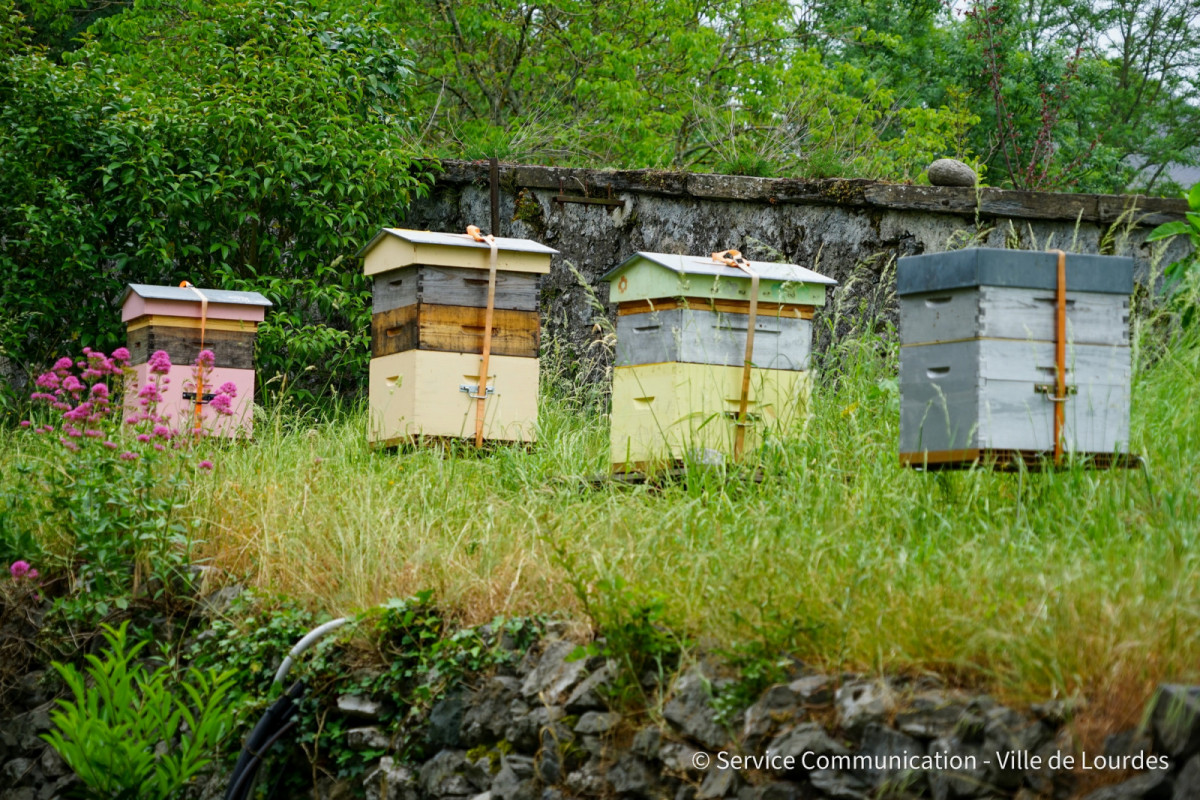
column 717, row 85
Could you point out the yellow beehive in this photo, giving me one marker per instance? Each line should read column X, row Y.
column 428, row 331
column 421, row 393
column 712, row 355
column 662, row 413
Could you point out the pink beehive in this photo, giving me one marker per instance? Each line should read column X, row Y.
column 183, row 321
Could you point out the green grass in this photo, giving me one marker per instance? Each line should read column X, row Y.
column 1054, row 583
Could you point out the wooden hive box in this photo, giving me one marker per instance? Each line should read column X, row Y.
column 682, row 326
column 978, row 356
column 662, row 413
column 177, row 320
column 429, row 302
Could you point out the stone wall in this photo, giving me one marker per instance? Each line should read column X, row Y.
column 851, row 230
column 539, row 724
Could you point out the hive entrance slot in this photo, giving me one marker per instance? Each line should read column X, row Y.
column 937, row 372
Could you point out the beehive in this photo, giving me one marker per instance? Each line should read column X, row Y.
column 183, row 320
column 978, row 360
column 682, row 326
column 429, row 304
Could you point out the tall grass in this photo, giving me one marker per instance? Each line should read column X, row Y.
column 1031, row 585
column 1050, row 583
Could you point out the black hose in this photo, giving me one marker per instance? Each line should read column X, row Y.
column 273, row 725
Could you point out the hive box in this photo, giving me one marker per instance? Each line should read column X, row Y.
column 682, row 326
column 421, row 393
column 662, row 413
column 170, row 318
column 977, row 356
column 429, row 304
column 699, row 336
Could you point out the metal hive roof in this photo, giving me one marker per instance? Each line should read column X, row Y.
column 701, row 265
column 152, row 292
column 457, row 240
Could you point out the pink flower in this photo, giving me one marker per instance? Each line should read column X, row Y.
column 48, row 380
column 160, row 362
column 143, row 437
column 206, row 358
column 100, row 390
column 72, row 384
column 229, row 388
column 63, row 363
column 111, row 445
column 21, row 569
column 93, row 434
column 162, row 431
column 206, row 464
column 158, row 447
column 128, row 456
column 221, row 404
column 120, row 354
column 25, row 423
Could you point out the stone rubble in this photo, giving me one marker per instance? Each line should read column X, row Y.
column 543, row 731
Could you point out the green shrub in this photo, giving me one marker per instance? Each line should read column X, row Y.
column 131, row 733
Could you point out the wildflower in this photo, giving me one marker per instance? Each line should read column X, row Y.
column 63, row 364
column 160, row 362
column 221, row 404
column 120, row 354
column 67, row 443
column 72, row 384
column 206, row 359
column 158, row 447
column 143, row 437
column 48, row 380
column 206, row 464
column 128, row 456
column 21, row 569
column 25, row 423
column 93, row 434
column 100, row 390
column 111, row 445
column 229, row 388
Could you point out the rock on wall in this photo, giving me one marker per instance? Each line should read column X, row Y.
column 850, row 230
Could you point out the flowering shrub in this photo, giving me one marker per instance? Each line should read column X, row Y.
column 112, row 474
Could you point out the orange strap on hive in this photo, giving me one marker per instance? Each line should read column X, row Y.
column 481, row 390
column 734, row 258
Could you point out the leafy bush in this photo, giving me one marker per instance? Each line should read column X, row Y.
column 241, row 144
column 1183, row 274
column 130, row 733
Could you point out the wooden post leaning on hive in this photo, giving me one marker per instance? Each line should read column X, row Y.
column 429, row 331
column 699, row 370
column 183, row 320
column 1014, row 357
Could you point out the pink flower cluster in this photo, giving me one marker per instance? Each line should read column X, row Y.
column 223, row 397
column 86, row 396
column 21, row 570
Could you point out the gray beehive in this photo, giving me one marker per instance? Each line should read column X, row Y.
column 698, row 336
column 978, row 360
